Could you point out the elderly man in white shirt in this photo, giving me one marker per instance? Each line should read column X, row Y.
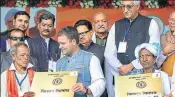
column 147, row 54
column 16, row 80
column 90, row 82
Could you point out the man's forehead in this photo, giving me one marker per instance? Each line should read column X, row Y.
column 145, row 51
column 22, row 17
column 61, row 37
column 46, row 21
column 17, row 33
column 22, row 48
column 100, row 16
column 82, row 27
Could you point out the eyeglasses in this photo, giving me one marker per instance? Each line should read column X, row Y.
column 83, row 33
column 128, row 7
column 172, row 20
column 17, row 38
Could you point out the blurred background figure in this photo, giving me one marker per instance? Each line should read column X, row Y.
column 8, row 22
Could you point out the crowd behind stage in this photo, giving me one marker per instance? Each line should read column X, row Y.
column 133, row 45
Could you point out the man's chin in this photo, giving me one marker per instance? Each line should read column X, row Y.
column 101, row 31
column 46, row 33
column 127, row 16
column 63, row 52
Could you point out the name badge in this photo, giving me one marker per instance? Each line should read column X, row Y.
column 122, row 47
column 52, row 66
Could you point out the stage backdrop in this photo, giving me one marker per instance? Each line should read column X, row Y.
column 68, row 16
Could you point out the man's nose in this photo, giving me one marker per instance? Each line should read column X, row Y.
column 18, row 40
column 145, row 58
column 80, row 36
column 125, row 10
column 26, row 57
column 23, row 23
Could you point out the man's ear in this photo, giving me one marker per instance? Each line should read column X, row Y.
column 91, row 33
column 13, row 57
column 74, row 42
column 138, row 6
column 38, row 25
column 8, row 40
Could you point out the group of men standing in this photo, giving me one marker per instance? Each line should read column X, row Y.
column 92, row 49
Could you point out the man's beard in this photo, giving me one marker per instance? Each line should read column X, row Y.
column 147, row 65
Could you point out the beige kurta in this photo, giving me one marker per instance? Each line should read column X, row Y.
column 167, row 38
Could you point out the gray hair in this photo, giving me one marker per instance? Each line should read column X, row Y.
column 136, row 2
column 13, row 50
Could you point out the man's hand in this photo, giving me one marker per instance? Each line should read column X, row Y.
column 124, row 69
column 169, row 48
column 29, row 94
column 79, row 87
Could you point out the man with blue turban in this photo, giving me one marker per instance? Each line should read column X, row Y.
column 9, row 21
column 148, row 55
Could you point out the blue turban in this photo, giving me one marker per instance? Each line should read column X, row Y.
column 10, row 13
column 150, row 47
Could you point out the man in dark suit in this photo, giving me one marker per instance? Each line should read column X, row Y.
column 84, row 28
column 33, row 31
column 42, row 47
column 15, row 36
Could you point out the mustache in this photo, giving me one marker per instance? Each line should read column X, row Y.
column 46, row 30
column 101, row 26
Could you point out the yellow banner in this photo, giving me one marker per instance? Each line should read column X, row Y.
column 54, row 84
column 140, row 85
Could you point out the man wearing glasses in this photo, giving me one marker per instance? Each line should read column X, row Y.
column 84, row 29
column 125, row 35
column 15, row 36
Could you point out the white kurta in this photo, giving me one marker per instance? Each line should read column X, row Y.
column 111, row 52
